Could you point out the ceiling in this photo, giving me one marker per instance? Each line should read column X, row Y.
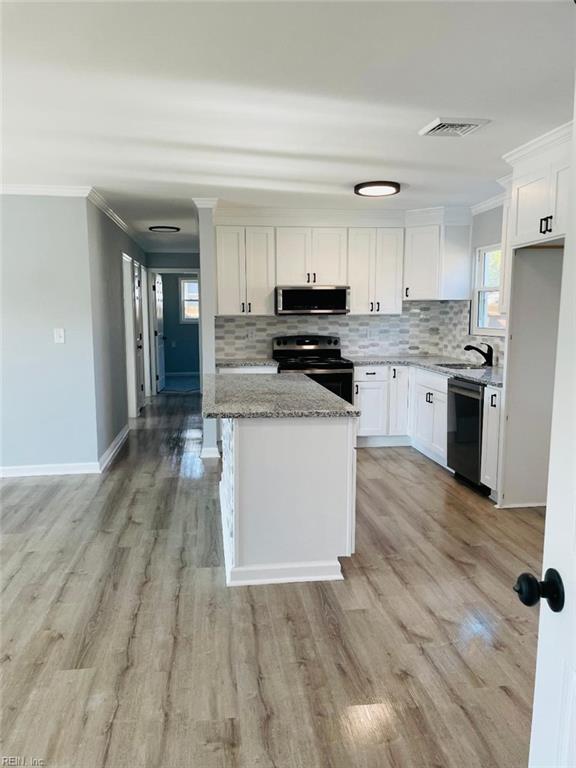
column 276, row 104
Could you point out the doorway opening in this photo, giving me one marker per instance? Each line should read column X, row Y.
column 175, row 330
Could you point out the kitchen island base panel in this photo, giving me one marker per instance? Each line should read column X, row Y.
column 287, row 497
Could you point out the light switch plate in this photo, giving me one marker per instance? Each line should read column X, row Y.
column 59, row 336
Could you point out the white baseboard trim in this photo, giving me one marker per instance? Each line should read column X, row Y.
column 46, row 470
column 209, row 452
column 110, row 452
column 521, row 506
column 283, row 573
column 383, row 441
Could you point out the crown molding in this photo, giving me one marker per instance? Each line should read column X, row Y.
column 100, row 202
column 45, row 190
column 205, row 202
column 490, row 204
column 306, row 217
column 447, row 215
column 553, row 138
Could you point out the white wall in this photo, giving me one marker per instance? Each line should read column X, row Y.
column 48, row 398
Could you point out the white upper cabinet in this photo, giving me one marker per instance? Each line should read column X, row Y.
column 231, row 270
column 375, row 270
column 260, row 270
column 293, row 249
column 329, row 256
column 540, row 188
column 437, row 262
column 422, row 263
column 245, row 270
column 310, row 255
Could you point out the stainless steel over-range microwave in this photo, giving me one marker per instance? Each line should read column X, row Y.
column 312, row 300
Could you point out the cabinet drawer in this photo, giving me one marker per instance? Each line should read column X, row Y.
column 371, row 373
column 431, row 380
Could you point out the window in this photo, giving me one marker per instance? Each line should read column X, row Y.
column 486, row 317
column 189, row 300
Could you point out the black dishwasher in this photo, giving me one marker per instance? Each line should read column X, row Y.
column 465, row 410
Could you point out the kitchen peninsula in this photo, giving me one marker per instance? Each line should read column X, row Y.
column 287, row 493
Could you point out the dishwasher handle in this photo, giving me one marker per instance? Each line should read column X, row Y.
column 466, row 388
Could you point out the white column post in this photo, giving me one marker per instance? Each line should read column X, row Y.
column 206, row 207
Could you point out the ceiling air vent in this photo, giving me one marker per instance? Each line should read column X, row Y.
column 452, row 126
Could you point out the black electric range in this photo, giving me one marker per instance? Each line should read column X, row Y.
column 319, row 357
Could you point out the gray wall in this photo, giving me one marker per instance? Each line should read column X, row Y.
column 173, row 260
column 487, row 227
column 48, row 397
column 181, row 348
column 106, row 243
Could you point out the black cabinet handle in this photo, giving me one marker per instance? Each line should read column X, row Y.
column 493, row 401
column 393, row 373
column 314, row 276
column 371, row 306
column 431, row 401
column 249, row 306
column 549, row 224
column 356, row 390
column 243, row 307
column 427, row 396
column 307, row 277
column 370, row 373
column 530, row 590
column 377, row 306
column 406, row 292
column 542, row 226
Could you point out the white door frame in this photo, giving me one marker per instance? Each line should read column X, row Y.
column 146, row 332
column 129, row 334
column 151, row 299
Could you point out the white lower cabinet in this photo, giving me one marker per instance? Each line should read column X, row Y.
column 371, row 397
column 430, row 413
column 399, row 400
column 490, row 437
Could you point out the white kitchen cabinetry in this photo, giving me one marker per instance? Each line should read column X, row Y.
column 540, row 189
column 398, row 400
column 490, row 436
column 311, row 255
column 437, row 262
column 245, row 270
column 375, row 259
column 430, row 405
column 371, row 397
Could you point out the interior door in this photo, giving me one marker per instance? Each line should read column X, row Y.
column 293, row 247
column 329, row 255
column 388, row 271
column 361, row 255
column 159, row 333
column 553, row 741
column 138, row 335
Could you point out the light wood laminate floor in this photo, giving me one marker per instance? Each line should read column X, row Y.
column 122, row 647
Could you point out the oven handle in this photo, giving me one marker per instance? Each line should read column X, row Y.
column 319, row 370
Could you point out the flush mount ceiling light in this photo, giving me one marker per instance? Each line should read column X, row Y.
column 377, row 188
column 164, row 228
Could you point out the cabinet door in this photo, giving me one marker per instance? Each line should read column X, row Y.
column 398, row 411
column 423, row 417
column 361, row 258
column 260, row 270
column 559, row 193
column 329, row 256
column 440, row 425
column 388, row 271
column 293, row 247
column 231, row 266
column 490, row 437
column 530, row 203
column 422, row 263
column 371, row 397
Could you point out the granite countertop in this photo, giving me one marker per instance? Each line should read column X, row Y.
column 270, row 396
column 249, row 362
column 493, row 377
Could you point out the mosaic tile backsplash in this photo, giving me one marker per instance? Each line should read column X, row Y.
column 432, row 327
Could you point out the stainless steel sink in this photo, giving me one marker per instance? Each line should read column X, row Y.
column 462, row 366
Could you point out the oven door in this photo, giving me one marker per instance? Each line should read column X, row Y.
column 337, row 380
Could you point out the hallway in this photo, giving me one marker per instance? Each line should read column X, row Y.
column 122, row 647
